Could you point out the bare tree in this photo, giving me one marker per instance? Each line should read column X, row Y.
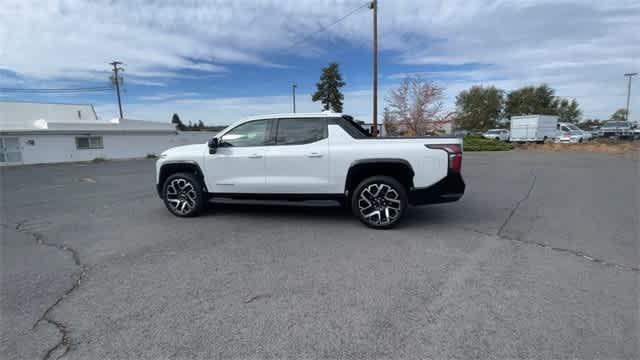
column 415, row 107
column 390, row 126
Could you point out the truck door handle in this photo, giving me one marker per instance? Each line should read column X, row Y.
column 314, row 155
column 255, row 156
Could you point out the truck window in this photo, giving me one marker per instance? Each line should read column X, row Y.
column 253, row 133
column 300, row 131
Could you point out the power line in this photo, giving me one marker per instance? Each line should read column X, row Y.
column 326, row 27
column 55, row 90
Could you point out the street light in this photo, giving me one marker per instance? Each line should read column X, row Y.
column 629, row 75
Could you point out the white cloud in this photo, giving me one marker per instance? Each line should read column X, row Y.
column 579, row 47
column 167, row 96
column 49, row 39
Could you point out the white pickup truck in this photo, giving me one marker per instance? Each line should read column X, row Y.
column 309, row 157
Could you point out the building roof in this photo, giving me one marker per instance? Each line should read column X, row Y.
column 29, row 117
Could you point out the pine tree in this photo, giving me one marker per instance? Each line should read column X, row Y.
column 328, row 88
column 175, row 120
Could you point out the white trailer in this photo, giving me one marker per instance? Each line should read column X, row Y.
column 533, row 128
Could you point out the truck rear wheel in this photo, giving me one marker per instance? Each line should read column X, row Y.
column 183, row 195
column 379, row 202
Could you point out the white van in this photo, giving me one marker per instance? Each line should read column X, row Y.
column 533, row 128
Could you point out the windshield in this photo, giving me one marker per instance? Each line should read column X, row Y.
column 494, row 131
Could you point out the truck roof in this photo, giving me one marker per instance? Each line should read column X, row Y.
column 295, row 115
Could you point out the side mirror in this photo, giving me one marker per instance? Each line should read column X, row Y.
column 213, row 145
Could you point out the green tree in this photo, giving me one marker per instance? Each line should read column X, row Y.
column 175, row 120
column 328, row 88
column 200, row 125
column 569, row 111
column 479, row 108
column 619, row 115
column 531, row 100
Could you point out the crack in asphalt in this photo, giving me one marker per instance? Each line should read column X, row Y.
column 257, row 297
column 517, row 205
column 578, row 253
column 65, row 342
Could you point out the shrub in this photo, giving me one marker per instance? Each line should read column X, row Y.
column 478, row 143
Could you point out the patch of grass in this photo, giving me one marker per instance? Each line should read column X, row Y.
column 99, row 160
column 478, row 143
column 602, row 146
column 152, row 156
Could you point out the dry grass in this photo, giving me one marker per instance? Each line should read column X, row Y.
column 603, row 147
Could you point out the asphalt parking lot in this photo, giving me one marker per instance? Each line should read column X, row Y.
column 540, row 259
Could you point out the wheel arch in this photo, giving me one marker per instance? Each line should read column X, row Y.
column 169, row 168
column 399, row 169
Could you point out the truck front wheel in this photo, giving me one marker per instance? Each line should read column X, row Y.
column 183, row 195
column 379, row 202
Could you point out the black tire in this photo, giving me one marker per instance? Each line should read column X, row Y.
column 394, row 205
column 183, row 195
column 497, row 139
column 345, row 203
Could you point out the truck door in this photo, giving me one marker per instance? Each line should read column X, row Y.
column 238, row 166
column 299, row 160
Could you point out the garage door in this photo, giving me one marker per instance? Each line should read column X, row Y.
column 10, row 150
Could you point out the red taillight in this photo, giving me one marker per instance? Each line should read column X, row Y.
column 455, row 155
column 455, row 162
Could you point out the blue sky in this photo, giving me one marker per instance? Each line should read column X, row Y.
column 219, row 61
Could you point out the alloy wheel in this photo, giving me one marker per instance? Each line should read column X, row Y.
column 379, row 204
column 181, row 196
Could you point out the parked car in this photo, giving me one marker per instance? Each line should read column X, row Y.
column 569, row 133
column 595, row 132
column 570, row 138
column 497, row 134
column 313, row 156
column 620, row 129
column 635, row 131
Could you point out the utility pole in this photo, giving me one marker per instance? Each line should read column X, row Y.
column 293, row 87
column 116, row 80
column 374, row 6
column 629, row 75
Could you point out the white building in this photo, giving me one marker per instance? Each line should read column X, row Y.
column 33, row 133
